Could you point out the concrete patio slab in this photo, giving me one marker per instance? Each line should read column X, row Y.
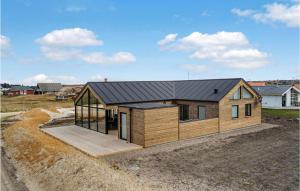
column 90, row 142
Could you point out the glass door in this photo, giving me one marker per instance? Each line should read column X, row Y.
column 123, row 126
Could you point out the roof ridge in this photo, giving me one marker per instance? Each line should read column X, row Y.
column 169, row 80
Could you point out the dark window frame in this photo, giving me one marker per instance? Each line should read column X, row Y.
column 237, row 112
column 184, row 110
column 248, row 114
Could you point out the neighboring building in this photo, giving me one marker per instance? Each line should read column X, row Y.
column 69, row 91
column 154, row 112
column 257, row 83
column 297, row 86
column 47, row 88
column 20, row 90
column 4, row 88
column 279, row 96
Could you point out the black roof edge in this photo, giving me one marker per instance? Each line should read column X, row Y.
column 167, row 106
column 121, row 103
column 169, row 80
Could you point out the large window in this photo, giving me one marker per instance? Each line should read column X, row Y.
column 201, row 112
column 89, row 113
column 237, row 94
column 246, row 94
column 241, row 92
column 294, row 97
column 235, row 111
column 184, row 112
column 248, row 110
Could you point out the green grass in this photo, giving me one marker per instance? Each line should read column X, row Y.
column 287, row 113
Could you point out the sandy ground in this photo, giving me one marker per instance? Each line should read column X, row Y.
column 263, row 160
column 4, row 116
column 241, row 160
column 44, row 163
column 9, row 180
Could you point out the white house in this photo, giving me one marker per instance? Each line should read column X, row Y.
column 279, row 96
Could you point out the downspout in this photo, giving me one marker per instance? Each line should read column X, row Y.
column 219, row 117
column 130, row 124
column 75, row 112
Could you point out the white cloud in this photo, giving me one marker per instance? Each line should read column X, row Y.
column 39, row 78
column 169, row 38
column 60, row 54
column 219, row 39
column 97, row 78
column 243, row 13
column 229, row 48
column 70, row 37
column 5, row 46
column 195, row 68
column 276, row 12
column 101, row 58
column 69, row 44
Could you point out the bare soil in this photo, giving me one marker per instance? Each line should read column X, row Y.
column 265, row 160
column 242, row 160
column 44, row 163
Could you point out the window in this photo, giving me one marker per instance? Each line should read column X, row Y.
column 237, row 94
column 248, row 110
column 235, row 111
column 246, row 94
column 201, row 112
column 184, row 112
column 294, row 97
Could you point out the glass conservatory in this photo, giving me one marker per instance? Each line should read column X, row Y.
column 91, row 114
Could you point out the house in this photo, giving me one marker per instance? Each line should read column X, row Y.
column 297, row 85
column 277, row 96
column 20, row 90
column 154, row 112
column 4, row 88
column 47, row 88
column 69, row 91
column 257, row 83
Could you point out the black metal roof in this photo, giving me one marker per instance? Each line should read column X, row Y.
column 148, row 105
column 146, row 91
column 49, row 87
column 20, row 88
column 276, row 90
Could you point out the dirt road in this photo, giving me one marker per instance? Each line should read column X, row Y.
column 9, row 181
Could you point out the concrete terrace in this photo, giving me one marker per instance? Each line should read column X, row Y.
column 90, row 142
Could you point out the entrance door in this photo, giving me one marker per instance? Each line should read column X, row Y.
column 123, row 126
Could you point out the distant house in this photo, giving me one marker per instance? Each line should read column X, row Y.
column 278, row 96
column 47, row 88
column 20, row 90
column 297, row 86
column 257, row 83
column 4, row 88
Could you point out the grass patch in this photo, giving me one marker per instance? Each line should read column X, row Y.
column 287, row 113
column 28, row 102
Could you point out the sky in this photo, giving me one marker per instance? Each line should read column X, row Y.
column 84, row 40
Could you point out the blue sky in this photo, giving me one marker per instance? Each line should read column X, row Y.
column 80, row 41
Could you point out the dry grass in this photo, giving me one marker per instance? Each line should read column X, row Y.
column 45, row 163
column 25, row 103
column 30, row 145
